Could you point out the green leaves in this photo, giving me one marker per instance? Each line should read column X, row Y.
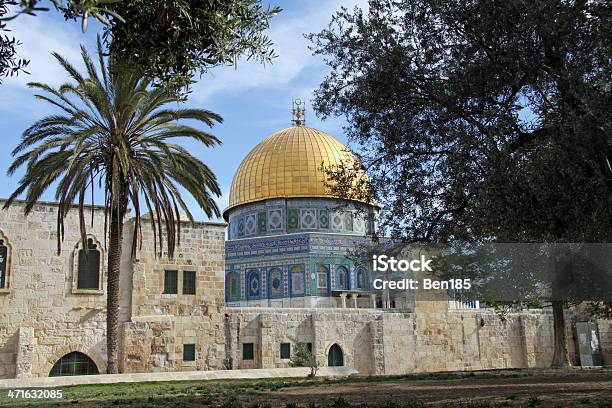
column 478, row 120
column 114, row 131
column 180, row 38
column 167, row 40
column 10, row 64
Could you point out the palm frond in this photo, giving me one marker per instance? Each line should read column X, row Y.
column 114, row 131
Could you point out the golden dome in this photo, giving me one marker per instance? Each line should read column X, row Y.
column 288, row 163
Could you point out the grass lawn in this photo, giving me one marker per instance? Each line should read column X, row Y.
column 483, row 390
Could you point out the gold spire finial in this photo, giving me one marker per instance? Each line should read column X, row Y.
column 299, row 113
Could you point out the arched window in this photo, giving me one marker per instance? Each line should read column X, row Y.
column 297, row 280
column 253, row 284
column 232, row 283
column 275, row 283
column 342, row 278
column 4, row 257
column 322, row 276
column 361, row 279
column 74, row 363
column 335, row 357
column 88, row 276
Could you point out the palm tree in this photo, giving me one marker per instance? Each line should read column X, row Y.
column 115, row 130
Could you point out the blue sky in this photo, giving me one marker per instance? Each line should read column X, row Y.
column 254, row 100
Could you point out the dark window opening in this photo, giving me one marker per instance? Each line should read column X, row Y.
column 89, row 267
column 335, row 357
column 170, row 282
column 189, row 282
column 74, row 364
column 285, row 350
column 3, row 262
column 188, row 352
column 247, row 351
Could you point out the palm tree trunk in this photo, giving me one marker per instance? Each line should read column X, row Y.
column 112, row 299
column 560, row 359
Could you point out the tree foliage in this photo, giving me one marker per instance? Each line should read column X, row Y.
column 10, row 64
column 168, row 40
column 478, row 119
column 304, row 357
column 71, row 8
column 183, row 37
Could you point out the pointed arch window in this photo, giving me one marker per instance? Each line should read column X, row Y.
column 74, row 363
column 275, row 283
column 297, row 280
column 88, row 268
column 322, row 277
column 361, row 279
column 253, row 288
column 335, row 356
column 342, row 278
column 3, row 265
column 232, row 286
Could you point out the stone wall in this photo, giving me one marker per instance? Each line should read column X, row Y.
column 351, row 329
column 605, row 340
column 43, row 317
column 384, row 342
column 160, row 324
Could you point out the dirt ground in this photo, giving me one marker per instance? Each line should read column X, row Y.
column 493, row 389
column 571, row 390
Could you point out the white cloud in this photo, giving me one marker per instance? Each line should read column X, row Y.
column 40, row 35
column 286, row 33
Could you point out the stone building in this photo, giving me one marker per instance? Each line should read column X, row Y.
column 282, row 278
column 53, row 306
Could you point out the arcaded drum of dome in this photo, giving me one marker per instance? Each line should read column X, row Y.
column 288, row 163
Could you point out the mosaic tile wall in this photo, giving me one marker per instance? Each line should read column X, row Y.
column 292, row 266
column 280, row 216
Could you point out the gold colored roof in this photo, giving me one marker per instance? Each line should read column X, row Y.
column 288, row 163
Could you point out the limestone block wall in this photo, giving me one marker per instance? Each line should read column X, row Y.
column 351, row 329
column 154, row 344
column 354, row 331
column 605, row 340
column 400, row 351
column 201, row 250
column 384, row 342
column 160, row 324
column 457, row 340
column 43, row 317
column 266, row 330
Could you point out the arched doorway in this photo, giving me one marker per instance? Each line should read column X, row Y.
column 74, row 363
column 335, row 356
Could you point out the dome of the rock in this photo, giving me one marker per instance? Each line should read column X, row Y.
column 289, row 163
